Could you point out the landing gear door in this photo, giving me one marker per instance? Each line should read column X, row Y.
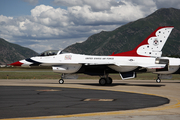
column 127, row 75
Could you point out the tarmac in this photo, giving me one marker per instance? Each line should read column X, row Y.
column 86, row 99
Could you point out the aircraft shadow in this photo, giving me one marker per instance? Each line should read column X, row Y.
column 125, row 84
column 171, row 82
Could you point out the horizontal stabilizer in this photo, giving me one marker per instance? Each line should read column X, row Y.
column 155, row 66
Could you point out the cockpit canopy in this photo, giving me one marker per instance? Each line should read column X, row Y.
column 51, row 52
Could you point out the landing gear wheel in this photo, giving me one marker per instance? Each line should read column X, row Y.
column 61, row 81
column 109, row 81
column 102, row 81
column 158, row 80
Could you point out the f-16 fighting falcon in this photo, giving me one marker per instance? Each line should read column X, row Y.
column 146, row 57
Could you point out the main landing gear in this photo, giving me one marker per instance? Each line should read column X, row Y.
column 61, row 81
column 105, row 81
column 158, row 80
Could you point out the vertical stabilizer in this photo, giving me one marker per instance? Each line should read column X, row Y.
column 155, row 42
column 152, row 45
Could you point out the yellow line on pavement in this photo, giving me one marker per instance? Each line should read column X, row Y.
column 177, row 105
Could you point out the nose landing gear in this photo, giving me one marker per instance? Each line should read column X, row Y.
column 61, row 81
column 158, row 80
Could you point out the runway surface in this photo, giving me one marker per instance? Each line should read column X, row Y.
column 85, row 99
column 47, row 101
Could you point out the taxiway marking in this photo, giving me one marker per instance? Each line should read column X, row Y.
column 177, row 105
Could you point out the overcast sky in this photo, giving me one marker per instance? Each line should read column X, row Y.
column 55, row 24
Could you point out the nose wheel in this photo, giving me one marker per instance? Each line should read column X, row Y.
column 61, row 81
column 158, row 80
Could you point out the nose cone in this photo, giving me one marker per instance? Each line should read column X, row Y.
column 16, row 63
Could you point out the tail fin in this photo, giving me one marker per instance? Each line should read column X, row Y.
column 152, row 45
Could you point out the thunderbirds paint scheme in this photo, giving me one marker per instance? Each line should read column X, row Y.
column 146, row 57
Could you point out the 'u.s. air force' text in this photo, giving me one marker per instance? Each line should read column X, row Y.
column 98, row 58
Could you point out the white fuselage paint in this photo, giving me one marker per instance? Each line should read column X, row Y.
column 71, row 63
column 146, row 57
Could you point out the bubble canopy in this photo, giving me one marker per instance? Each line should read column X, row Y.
column 50, row 52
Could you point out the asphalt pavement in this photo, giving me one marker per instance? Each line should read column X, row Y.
column 20, row 101
column 85, row 99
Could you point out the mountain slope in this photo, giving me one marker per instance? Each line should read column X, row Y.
column 11, row 52
column 128, row 36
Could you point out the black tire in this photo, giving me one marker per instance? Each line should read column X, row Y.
column 61, row 81
column 109, row 81
column 102, row 81
column 158, row 80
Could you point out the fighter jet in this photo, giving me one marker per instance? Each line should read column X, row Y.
column 146, row 57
